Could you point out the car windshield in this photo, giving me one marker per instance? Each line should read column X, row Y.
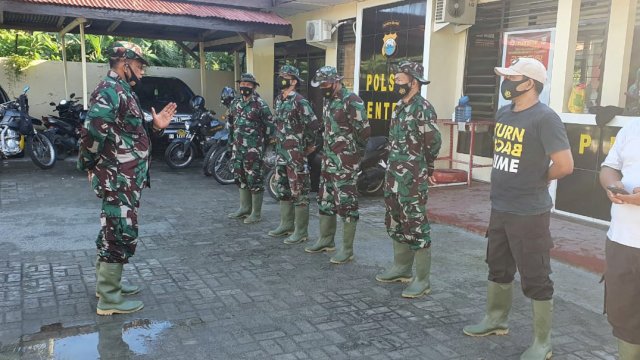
column 157, row 92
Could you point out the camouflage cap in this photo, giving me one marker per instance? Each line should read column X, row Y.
column 128, row 50
column 248, row 77
column 326, row 74
column 416, row 70
column 290, row 70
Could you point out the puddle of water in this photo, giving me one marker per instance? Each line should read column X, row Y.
column 106, row 341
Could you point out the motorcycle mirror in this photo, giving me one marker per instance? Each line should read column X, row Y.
column 52, row 103
column 26, row 88
column 72, row 95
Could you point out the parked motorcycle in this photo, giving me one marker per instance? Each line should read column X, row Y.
column 64, row 129
column 223, row 167
column 200, row 132
column 370, row 180
column 17, row 132
column 219, row 140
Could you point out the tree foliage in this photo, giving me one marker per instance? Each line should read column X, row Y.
column 22, row 47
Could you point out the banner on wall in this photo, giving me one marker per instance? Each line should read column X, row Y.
column 537, row 44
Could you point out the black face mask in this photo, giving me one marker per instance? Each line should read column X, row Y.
column 133, row 78
column 246, row 91
column 508, row 88
column 284, row 83
column 327, row 93
column 402, row 89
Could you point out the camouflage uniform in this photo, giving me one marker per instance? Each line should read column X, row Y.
column 296, row 126
column 115, row 147
column 346, row 132
column 252, row 125
column 411, row 160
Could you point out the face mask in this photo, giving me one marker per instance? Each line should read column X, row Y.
column 246, row 91
column 508, row 88
column 402, row 89
column 133, row 78
column 327, row 93
column 284, row 83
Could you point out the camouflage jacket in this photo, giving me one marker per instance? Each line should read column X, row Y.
column 252, row 123
column 114, row 142
column 346, row 132
column 296, row 128
column 414, row 142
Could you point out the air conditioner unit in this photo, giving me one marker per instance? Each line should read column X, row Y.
column 459, row 12
column 318, row 31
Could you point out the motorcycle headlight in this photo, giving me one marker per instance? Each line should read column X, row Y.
column 187, row 125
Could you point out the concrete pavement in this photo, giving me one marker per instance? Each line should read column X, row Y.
column 219, row 289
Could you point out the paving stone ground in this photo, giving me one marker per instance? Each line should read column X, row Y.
column 219, row 289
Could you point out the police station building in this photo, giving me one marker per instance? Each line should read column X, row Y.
column 590, row 47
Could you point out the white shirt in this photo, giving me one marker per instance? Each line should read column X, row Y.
column 625, row 157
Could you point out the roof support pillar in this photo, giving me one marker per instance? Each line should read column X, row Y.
column 203, row 63
column 237, row 66
column 564, row 54
column 83, row 50
column 64, row 68
column 249, row 58
column 618, row 61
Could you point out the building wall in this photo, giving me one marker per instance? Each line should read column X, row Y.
column 46, row 81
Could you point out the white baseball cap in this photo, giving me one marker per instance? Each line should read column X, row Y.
column 529, row 67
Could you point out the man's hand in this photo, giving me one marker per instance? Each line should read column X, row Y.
column 89, row 174
column 615, row 198
column 162, row 119
column 432, row 180
column 633, row 199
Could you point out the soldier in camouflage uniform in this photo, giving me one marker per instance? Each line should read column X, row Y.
column 346, row 132
column 414, row 145
column 296, row 128
column 114, row 150
column 252, row 125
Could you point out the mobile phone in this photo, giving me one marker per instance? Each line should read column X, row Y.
column 616, row 190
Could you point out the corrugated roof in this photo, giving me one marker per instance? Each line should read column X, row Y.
column 173, row 8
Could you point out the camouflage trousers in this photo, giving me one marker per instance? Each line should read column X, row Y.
column 118, row 236
column 338, row 194
column 292, row 185
column 406, row 219
column 248, row 169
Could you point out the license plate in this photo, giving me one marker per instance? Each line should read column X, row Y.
column 181, row 133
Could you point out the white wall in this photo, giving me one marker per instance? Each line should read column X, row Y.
column 46, row 80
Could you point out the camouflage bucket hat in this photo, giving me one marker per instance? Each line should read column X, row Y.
column 128, row 50
column 326, row 74
column 416, row 70
column 290, row 70
column 248, row 77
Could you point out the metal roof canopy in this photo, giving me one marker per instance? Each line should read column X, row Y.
column 87, row 16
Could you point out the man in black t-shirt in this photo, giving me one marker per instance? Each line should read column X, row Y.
column 528, row 137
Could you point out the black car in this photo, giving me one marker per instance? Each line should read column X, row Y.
column 157, row 92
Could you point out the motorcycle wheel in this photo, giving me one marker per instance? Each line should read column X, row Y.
column 207, row 166
column 177, row 157
column 368, row 187
column 271, row 183
column 41, row 151
column 222, row 166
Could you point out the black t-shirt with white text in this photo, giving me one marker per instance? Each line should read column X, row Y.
column 523, row 141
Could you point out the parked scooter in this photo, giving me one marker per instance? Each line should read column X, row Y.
column 221, row 138
column 17, row 133
column 201, row 130
column 64, row 129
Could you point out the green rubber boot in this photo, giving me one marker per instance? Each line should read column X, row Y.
column 126, row 289
column 245, row 205
column 326, row 240
column 420, row 284
column 301, row 233
column 109, row 287
column 256, row 208
column 542, row 316
column 628, row 351
column 499, row 299
column 286, row 220
column 401, row 270
column 345, row 254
